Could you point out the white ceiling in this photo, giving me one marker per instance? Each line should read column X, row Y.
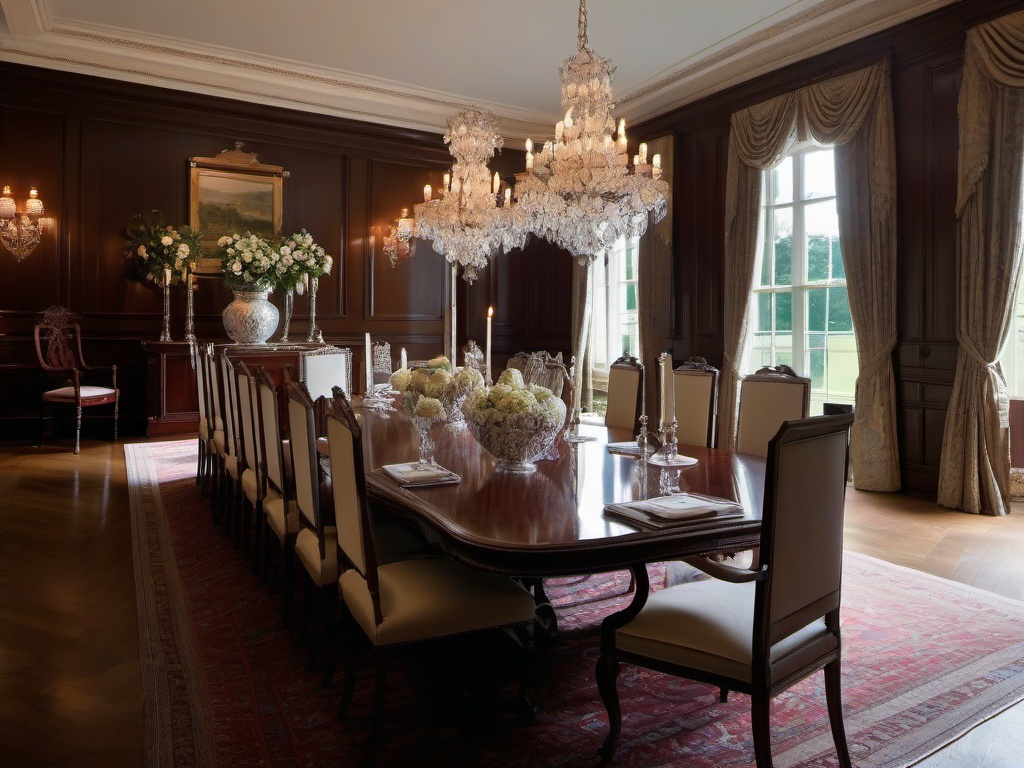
column 413, row 64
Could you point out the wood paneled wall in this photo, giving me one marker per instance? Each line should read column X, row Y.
column 926, row 56
column 100, row 151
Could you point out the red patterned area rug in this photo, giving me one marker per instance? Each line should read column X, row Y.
column 926, row 660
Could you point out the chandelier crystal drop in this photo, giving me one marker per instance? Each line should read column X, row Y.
column 579, row 191
column 471, row 221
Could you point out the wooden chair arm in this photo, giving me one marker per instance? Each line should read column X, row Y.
column 726, row 572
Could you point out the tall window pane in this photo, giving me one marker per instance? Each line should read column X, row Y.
column 803, row 311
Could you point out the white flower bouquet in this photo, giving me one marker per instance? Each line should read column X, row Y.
column 301, row 257
column 437, row 380
column 514, row 421
column 421, row 390
column 249, row 262
column 151, row 246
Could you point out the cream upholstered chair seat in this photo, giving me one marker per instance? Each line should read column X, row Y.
column 433, row 597
column 282, row 515
column 67, row 394
column 718, row 637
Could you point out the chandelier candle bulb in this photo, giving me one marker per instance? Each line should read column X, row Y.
column 428, row 193
column 508, row 196
column 33, row 206
column 529, row 145
column 497, row 183
column 529, row 161
column 447, row 182
column 643, row 153
column 403, row 359
column 559, row 130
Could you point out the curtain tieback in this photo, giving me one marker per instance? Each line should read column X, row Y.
column 968, row 346
column 882, row 356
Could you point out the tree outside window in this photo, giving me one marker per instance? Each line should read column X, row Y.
column 800, row 313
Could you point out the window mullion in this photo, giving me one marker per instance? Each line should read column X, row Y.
column 799, row 269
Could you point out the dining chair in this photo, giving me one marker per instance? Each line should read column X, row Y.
column 218, row 436
column 250, row 451
column 398, row 601
column 324, row 368
column 536, row 369
column 204, row 429
column 767, row 398
column 58, row 343
column 758, row 632
column 695, row 391
column 231, row 496
column 316, row 546
column 280, row 511
column 625, row 393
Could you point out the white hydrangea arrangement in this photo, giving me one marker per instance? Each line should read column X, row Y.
column 514, row 421
column 152, row 245
column 249, row 262
column 437, row 381
column 301, row 257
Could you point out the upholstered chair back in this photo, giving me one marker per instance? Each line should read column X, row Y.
column 208, row 359
column 802, row 540
column 322, row 369
column 302, row 439
column 231, row 425
column 768, row 398
column 246, row 418
column 350, row 515
column 695, row 392
column 625, row 389
column 270, row 431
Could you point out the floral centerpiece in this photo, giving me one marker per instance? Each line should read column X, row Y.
column 421, row 390
column 514, row 421
column 152, row 246
column 301, row 258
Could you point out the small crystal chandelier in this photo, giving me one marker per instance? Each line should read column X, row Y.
column 396, row 242
column 20, row 231
column 579, row 191
column 472, row 221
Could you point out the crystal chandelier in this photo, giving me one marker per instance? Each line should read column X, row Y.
column 20, row 231
column 579, row 191
column 472, row 220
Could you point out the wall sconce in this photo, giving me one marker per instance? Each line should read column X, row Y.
column 396, row 242
column 20, row 231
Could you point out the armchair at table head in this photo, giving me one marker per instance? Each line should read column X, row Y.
column 757, row 632
column 58, row 342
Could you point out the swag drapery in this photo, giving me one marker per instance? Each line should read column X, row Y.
column 854, row 113
column 974, row 469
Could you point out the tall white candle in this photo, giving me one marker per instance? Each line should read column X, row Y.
column 487, row 362
column 404, row 360
column 661, row 366
column 670, row 406
column 369, row 366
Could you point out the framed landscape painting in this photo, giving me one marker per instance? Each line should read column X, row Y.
column 226, row 202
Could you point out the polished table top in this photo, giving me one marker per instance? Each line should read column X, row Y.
column 551, row 522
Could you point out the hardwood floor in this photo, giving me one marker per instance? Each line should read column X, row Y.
column 70, row 679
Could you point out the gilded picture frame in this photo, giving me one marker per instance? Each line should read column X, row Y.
column 230, row 194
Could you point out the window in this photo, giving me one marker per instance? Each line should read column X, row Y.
column 800, row 312
column 1011, row 359
column 615, row 329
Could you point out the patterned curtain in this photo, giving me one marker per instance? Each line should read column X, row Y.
column 974, row 470
column 853, row 112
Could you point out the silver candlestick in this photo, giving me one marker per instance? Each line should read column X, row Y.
column 315, row 334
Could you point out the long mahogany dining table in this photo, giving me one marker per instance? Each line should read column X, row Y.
column 552, row 522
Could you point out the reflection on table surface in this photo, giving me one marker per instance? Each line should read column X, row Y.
column 552, row 520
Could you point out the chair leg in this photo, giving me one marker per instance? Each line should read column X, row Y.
column 288, row 585
column 330, row 601
column 78, row 430
column 379, row 688
column 833, row 695
column 723, row 695
column 347, row 639
column 607, row 674
column 760, row 720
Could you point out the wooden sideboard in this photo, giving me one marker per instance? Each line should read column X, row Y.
column 172, row 397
